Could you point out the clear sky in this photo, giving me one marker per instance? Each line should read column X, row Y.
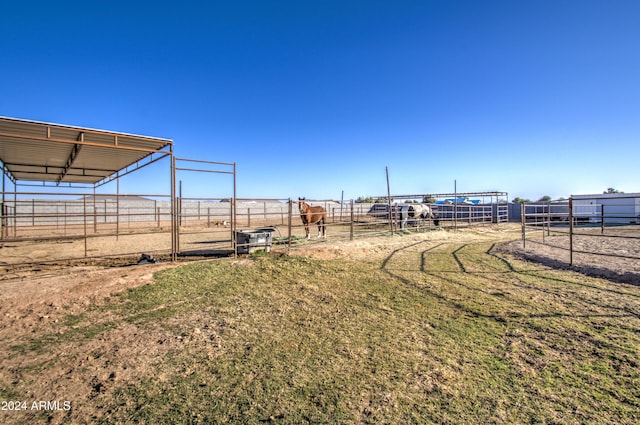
column 312, row 98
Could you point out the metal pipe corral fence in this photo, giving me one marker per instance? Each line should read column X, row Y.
column 597, row 216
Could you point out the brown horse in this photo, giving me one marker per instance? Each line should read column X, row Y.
column 310, row 215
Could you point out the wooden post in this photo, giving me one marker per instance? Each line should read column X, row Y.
column 602, row 219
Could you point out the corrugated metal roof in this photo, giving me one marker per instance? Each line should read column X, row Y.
column 39, row 151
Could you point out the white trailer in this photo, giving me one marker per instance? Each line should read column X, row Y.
column 614, row 208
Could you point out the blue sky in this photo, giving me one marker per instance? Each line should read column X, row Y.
column 312, row 98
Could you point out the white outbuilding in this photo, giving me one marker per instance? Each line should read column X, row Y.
column 612, row 208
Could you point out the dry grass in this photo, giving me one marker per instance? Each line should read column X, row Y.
column 432, row 332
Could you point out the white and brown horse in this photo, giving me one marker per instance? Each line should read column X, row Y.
column 422, row 212
column 310, row 215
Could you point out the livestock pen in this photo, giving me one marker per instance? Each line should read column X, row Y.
column 69, row 225
column 59, row 204
column 587, row 234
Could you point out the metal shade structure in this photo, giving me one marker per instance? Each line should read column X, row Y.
column 34, row 153
column 45, row 152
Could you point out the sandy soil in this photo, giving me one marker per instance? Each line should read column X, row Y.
column 590, row 253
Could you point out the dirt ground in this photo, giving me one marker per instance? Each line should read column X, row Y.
column 35, row 302
column 589, row 256
column 47, row 293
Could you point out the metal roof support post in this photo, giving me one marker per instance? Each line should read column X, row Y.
column 174, row 239
column 2, row 214
column 95, row 215
column 117, row 208
column 84, row 218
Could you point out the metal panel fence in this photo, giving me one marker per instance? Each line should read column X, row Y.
column 586, row 217
column 39, row 227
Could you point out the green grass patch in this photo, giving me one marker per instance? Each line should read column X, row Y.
column 434, row 333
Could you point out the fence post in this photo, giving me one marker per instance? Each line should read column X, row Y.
column 84, row 215
column 289, row 226
column 543, row 220
column 548, row 220
column 352, row 220
column 571, row 231
column 249, row 217
column 523, row 224
column 602, row 219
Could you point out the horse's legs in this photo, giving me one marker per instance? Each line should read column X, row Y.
column 306, row 230
column 322, row 228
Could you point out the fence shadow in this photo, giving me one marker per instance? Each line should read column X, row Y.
column 600, row 272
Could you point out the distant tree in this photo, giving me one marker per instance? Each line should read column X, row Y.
column 363, row 200
column 429, row 200
column 519, row 200
column 612, row 190
column 545, row 198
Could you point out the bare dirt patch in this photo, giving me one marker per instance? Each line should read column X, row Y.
column 613, row 257
column 381, row 246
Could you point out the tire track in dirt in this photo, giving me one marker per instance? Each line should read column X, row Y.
column 479, row 270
